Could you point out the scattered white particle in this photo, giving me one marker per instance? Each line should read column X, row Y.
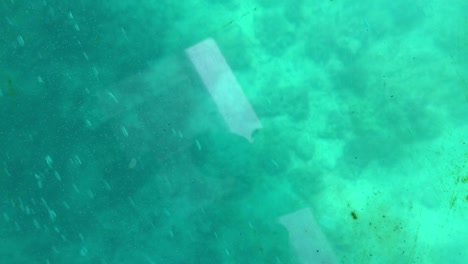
column 132, row 202
column 21, row 204
column 106, row 185
column 171, row 233
column 90, row 194
column 63, row 237
column 84, row 252
column 166, row 212
column 148, row 259
column 39, row 79
column 6, row 217
column 96, row 73
column 47, row 261
column 49, row 161
column 85, row 55
column 274, row 163
column 167, row 180
column 27, row 210
column 77, row 160
column 36, row 224
column 124, row 33
column 192, row 239
column 180, row 134
column 10, row 22
column 227, row 252
column 57, row 230
column 216, row 235
column 124, row 131
column 52, row 215
column 77, row 28
column 20, row 40
column 250, row 224
column 132, row 163
column 66, row 205
column 75, row 188
column 6, row 170
column 57, row 176
column 17, row 227
column 39, row 184
column 88, row 123
column 81, row 237
column 70, row 15
column 44, row 203
column 55, row 250
column 112, row 96
column 198, row 144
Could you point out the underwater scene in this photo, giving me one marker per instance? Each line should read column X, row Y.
column 223, row 132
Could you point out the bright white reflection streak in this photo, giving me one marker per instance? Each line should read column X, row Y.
column 223, row 88
column 308, row 240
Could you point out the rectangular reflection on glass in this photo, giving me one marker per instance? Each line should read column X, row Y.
column 223, row 88
column 308, row 240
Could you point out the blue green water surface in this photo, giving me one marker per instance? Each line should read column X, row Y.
column 219, row 132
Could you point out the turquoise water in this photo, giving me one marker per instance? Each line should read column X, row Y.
column 233, row 132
